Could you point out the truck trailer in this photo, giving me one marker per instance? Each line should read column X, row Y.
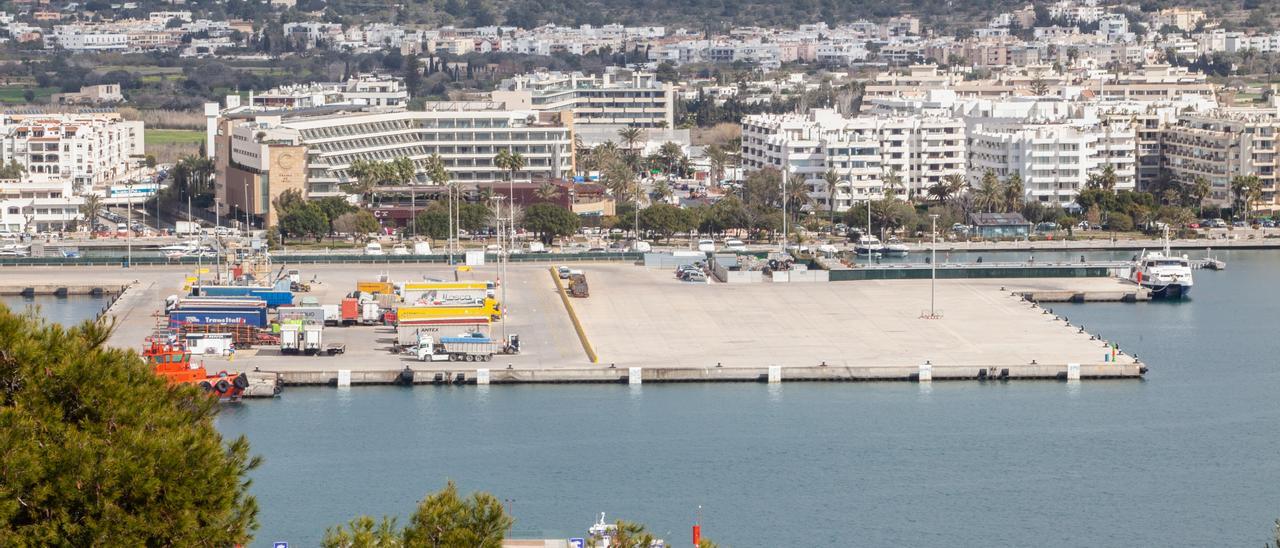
column 475, row 348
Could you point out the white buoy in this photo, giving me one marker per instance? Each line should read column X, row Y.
column 775, row 373
column 633, row 375
column 482, row 376
column 344, row 378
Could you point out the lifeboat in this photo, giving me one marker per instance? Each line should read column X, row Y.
column 173, row 362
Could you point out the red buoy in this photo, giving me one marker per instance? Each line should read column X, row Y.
column 697, row 534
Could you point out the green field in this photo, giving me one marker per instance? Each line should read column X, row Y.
column 14, row 94
column 173, row 136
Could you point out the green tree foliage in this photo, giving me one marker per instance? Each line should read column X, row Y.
column 334, row 207
column 96, row 450
column 359, row 224
column 549, row 221
column 990, row 193
column 306, row 219
column 442, row 520
column 364, row 532
column 12, row 170
column 664, row 220
column 90, row 210
column 433, row 221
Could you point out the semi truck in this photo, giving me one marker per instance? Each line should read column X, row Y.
column 474, row 348
column 446, row 293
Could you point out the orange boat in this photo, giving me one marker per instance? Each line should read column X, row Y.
column 173, row 362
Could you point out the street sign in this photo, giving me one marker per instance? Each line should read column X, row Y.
column 577, row 543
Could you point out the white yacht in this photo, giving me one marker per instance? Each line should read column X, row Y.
column 869, row 245
column 1167, row 276
column 895, row 248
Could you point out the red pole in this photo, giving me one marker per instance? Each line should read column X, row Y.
column 697, row 534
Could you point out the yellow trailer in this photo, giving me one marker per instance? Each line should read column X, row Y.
column 487, row 310
column 384, row 288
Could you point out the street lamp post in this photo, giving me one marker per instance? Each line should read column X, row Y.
column 785, row 175
column 933, row 264
column 245, row 204
column 128, row 222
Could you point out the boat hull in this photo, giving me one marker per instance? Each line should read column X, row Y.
column 1170, row 291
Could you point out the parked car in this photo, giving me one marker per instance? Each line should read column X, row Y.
column 373, row 248
column 706, row 246
column 735, row 245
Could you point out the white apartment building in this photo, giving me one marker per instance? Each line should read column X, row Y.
column 371, row 90
column 864, row 152
column 1222, row 144
column 37, row 207
column 260, row 155
column 617, row 97
column 85, row 151
column 1054, row 159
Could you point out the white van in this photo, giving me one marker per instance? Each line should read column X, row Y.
column 734, row 245
column 706, row 246
column 373, row 248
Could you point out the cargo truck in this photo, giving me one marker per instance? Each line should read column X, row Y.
column 578, row 286
column 474, row 348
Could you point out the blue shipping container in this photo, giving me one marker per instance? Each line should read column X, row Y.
column 217, row 317
column 273, row 297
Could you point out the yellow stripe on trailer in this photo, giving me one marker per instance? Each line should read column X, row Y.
column 410, row 313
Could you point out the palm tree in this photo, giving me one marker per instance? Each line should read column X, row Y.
column 509, row 161
column 366, row 175
column 719, row 158
column 1105, row 180
column 831, row 182
column 990, row 195
column 1246, row 190
column 662, row 190
column 90, row 210
column 796, row 194
column 949, row 186
column 630, row 136
column 1200, row 189
column 1014, row 193
column 547, row 192
column 892, row 184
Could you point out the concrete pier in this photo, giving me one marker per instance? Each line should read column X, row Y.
column 1051, row 372
column 673, row 331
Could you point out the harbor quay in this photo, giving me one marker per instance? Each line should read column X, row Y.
column 643, row 325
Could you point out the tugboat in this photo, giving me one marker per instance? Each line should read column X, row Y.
column 173, row 362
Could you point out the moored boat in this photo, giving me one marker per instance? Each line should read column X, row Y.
column 172, row 361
